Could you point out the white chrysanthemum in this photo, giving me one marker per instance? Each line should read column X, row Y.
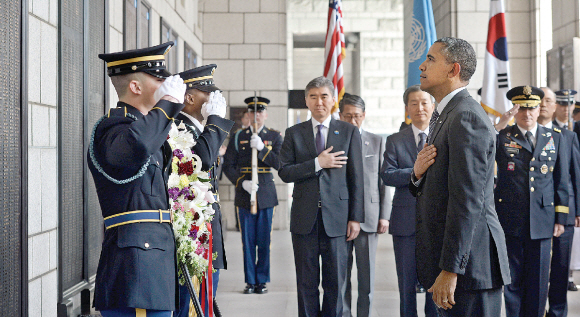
column 173, row 181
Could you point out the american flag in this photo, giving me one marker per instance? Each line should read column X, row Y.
column 335, row 49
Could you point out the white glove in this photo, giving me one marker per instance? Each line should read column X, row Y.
column 172, row 86
column 256, row 142
column 216, row 105
column 247, row 186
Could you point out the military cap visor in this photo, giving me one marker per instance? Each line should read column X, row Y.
column 260, row 104
column 150, row 60
column 525, row 96
column 565, row 97
column 200, row 78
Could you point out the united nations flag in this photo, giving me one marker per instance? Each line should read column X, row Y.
column 422, row 36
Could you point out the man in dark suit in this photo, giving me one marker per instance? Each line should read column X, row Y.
column 562, row 245
column 255, row 228
column 400, row 154
column 377, row 209
column 531, row 199
column 130, row 159
column 461, row 253
column 203, row 101
column 323, row 157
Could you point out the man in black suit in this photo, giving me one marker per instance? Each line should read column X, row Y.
column 323, row 157
column 562, row 245
column 400, row 154
column 203, row 101
column 461, row 251
column 129, row 158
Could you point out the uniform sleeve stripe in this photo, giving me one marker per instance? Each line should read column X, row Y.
column 562, row 209
column 218, row 127
column 165, row 113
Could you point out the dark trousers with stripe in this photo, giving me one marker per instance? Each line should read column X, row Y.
column 561, row 253
column 529, row 260
column 256, row 230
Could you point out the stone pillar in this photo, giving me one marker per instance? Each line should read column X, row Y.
column 565, row 21
column 42, row 158
column 247, row 40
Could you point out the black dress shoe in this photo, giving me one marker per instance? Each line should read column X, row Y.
column 261, row 289
column 250, row 289
column 572, row 287
column 419, row 289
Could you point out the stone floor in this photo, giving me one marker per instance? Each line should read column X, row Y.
column 281, row 299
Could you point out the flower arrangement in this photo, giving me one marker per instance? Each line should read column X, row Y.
column 190, row 199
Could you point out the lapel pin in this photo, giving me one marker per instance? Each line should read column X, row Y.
column 366, row 142
column 335, row 131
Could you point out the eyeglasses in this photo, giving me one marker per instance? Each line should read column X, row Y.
column 352, row 116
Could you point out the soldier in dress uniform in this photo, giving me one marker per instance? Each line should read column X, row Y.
column 531, row 200
column 565, row 102
column 256, row 228
column 204, row 101
column 562, row 245
column 129, row 159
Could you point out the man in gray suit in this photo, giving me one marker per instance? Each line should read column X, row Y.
column 461, row 248
column 323, row 157
column 377, row 209
column 400, row 154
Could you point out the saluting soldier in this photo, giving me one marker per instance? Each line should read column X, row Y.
column 531, row 200
column 129, row 159
column 204, row 101
column 256, row 228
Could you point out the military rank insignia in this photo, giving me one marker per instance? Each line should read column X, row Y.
column 511, row 166
column 550, row 146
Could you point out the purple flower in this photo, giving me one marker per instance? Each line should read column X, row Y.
column 187, row 193
column 178, row 153
column 193, row 234
column 173, row 193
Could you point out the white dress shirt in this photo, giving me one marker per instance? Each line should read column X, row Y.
column 416, row 132
column 326, row 124
column 562, row 124
column 549, row 125
column 448, row 98
column 534, row 130
column 197, row 124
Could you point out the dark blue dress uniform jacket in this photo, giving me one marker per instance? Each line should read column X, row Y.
column 207, row 148
column 137, row 267
column 532, row 188
column 239, row 155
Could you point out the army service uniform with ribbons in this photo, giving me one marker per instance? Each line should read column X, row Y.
column 530, row 197
column 129, row 159
column 255, row 229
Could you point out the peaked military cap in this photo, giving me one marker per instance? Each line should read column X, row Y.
column 565, row 97
column 577, row 105
column 200, row 78
column 150, row 60
column 261, row 104
column 525, row 96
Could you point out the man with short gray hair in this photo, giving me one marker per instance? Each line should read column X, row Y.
column 377, row 209
column 323, row 158
column 461, row 247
